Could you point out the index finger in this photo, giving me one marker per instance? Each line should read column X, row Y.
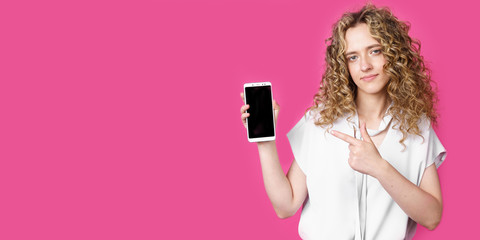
column 344, row 137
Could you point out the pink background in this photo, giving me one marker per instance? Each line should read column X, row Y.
column 120, row 119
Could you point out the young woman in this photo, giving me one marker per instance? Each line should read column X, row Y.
column 366, row 155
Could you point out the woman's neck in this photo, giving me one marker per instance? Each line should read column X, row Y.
column 371, row 108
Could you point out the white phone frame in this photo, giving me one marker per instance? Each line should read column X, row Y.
column 260, row 84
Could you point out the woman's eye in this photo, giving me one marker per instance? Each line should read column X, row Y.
column 377, row 51
column 352, row 58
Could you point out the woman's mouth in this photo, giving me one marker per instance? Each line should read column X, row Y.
column 369, row 78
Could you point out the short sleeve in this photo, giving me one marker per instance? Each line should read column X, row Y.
column 298, row 137
column 436, row 152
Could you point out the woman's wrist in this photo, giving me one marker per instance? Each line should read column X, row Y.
column 266, row 144
column 382, row 169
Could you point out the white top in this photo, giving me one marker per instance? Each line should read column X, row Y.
column 345, row 204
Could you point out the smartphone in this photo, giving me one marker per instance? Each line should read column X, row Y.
column 261, row 122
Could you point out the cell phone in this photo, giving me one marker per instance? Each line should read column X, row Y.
column 261, row 122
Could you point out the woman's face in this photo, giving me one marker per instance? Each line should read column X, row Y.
column 365, row 60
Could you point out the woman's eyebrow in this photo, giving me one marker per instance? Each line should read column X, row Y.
column 367, row 48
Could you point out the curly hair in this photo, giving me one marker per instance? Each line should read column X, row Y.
column 409, row 87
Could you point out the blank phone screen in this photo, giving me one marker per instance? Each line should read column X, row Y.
column 260, row 121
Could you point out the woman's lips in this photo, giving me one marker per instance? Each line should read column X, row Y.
column 369, row 78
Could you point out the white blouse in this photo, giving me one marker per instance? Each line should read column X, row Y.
column 345, row 204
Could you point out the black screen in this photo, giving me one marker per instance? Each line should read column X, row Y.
column 260, row 122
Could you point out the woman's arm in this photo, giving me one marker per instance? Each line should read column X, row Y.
column 286, row 193
column 422, row 204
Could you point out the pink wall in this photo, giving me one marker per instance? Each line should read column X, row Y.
column 120, row 119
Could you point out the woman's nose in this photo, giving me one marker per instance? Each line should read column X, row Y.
column 365, row 64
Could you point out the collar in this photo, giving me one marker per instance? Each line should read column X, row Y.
column 387, row 118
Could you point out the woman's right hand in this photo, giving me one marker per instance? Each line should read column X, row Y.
column 243, row 109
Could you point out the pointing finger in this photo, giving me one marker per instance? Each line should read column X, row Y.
column 344, row 137
column 363, row 131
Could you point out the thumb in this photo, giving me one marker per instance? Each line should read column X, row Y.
column 363, row 131
column 276, row 110
column 275, row 105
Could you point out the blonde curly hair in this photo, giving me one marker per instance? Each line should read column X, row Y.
column 409, row 87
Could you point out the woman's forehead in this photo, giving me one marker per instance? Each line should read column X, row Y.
column 359, row 38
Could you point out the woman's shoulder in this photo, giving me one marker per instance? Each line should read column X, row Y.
column 313, row 118
column 313, row 115
column 308, row 119
column 424, row 125
column 307, row 130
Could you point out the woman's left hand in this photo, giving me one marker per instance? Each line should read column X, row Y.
column 364, row 156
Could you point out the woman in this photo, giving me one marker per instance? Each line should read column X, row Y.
column 366, row 156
